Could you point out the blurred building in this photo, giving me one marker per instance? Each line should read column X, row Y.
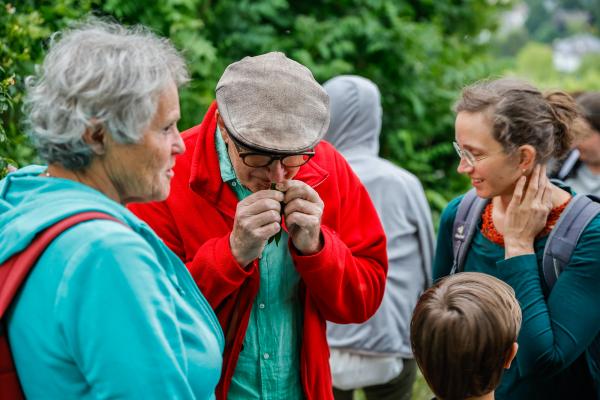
column 569, row 52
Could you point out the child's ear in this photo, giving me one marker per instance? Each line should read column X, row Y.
column 511, row 355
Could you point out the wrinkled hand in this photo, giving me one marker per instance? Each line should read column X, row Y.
column 303, row 211
column 527, row 213
column 257, row 218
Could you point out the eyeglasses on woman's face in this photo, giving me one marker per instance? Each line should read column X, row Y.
column 469, row 157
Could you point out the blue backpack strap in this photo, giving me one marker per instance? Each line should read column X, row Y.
column 561, row 244
column 464, row 227
column 565, row 235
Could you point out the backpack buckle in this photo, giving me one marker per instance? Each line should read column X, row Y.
column 460, row 232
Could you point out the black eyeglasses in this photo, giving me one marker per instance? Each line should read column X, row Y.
column 256, row 159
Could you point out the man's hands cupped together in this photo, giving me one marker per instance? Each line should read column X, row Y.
column 258, row 217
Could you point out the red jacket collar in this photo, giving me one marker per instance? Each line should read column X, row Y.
column 205, row 175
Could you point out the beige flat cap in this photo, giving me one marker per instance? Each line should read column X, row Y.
column 273, row 104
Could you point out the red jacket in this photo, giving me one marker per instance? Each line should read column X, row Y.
column 343, row 283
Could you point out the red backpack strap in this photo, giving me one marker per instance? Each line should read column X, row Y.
column 13, row 273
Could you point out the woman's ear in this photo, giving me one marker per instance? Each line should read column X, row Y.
column 511, row 355
column 96, row 137
column 527, row 155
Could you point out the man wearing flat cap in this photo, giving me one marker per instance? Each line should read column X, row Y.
column 277, row 231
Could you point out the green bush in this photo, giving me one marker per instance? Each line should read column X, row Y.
column 534, row 63
column 24, row 28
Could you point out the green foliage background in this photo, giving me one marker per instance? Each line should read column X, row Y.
column 527, row 51
column 420, row 53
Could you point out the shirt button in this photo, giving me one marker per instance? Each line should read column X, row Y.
column 261, row 305
column 266, row 356
column 233, row 184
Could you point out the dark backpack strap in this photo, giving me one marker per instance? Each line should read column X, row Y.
column 464, row 227
column 13, row 273
column 565, row 235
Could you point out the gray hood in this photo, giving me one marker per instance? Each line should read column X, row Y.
column 355, row 104
column 402, row 207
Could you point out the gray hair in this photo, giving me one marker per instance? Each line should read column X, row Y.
column 97, row 75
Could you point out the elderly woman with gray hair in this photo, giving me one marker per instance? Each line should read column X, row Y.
column 108, row 311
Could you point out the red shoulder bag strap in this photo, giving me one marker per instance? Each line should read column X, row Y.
column 13, row 273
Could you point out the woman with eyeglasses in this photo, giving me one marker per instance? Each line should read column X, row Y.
column 506, row 130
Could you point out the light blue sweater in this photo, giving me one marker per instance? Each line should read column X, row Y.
column 108, row 311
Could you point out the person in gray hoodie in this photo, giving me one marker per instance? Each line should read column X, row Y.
column 376, row 355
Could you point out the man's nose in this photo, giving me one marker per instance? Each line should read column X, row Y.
column 276, row 171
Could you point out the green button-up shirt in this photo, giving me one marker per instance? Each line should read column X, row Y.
column 269, row 363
